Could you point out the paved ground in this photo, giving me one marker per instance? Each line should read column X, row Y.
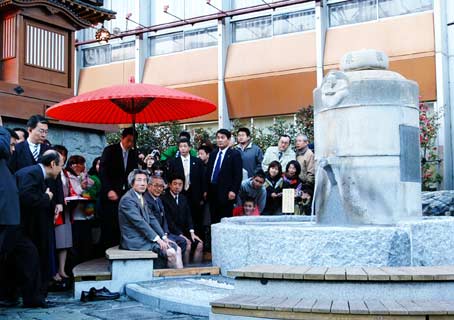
column 68, row 308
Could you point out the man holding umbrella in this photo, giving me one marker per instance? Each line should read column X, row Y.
column 117, row 161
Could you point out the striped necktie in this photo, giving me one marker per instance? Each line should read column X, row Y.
column 36, row 152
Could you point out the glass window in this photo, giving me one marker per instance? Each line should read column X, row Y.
column 353, row 11
column 123, row 51
column 294, row 22
column 96, row 55
column 167, row 43
column 200, row 38
column 252, row 29
column 389, row 8
column 236, row 4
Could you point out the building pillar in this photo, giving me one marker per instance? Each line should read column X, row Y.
column 444, row 32
column 78, row 64
column 224, row 36
column 321, row 25
column 142, row 10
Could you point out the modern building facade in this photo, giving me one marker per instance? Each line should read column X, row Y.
column 258, row 60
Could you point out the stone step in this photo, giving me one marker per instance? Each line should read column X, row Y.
column 201, row 271
column 189, row 295
column 97, row 270
column 370, row 274
column 282, row 307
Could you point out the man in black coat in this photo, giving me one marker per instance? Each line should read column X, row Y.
column 19, row 263
column 192, row 169
column 223, row 177
column 117, row 161
column 178, row 215
column 37, row 220
column 29, row 153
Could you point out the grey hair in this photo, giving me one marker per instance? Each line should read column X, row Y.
column 132, row 175
column 152, row 178
column 305, row 138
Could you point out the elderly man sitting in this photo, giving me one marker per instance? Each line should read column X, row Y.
column 139, row 228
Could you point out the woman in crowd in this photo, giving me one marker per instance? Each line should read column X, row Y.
column 79, row 182
column 292, row 181
column 273, row 185
column 150, row 160
column 63, row 228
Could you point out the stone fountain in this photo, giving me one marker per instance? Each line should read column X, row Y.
column 367, row 199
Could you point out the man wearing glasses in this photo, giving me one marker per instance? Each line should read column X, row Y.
column 29, row 152
column 154, row 203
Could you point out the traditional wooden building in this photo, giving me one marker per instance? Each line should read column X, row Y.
column 37, row 52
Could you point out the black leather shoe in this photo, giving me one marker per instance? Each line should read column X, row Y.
column 84, row 296
column 102, row 294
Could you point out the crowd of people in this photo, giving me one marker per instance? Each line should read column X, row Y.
column 55, row 214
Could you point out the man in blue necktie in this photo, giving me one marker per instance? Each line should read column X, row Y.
column 223, row 179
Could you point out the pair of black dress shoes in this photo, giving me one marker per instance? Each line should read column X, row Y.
column 98, row 294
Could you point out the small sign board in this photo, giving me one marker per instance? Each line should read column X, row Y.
column 288, row 200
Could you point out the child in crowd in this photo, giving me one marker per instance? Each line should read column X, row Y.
column 273, row 185
column 249, row 208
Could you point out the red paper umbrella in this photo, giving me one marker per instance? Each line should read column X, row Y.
column 131, row 103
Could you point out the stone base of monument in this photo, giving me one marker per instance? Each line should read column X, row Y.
column 295, row 240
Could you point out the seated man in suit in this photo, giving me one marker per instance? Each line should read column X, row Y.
column 178, row 214
column 139, row 228
column 152, row 198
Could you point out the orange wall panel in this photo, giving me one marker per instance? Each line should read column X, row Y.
column 270, row 95
column 280, row 53
column 104, row 76
column 208, row 91
column 421, row 70
column 396, row 36
column 182, row 67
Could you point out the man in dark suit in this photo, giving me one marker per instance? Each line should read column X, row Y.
column 35, row 196
column 29, row 153
column 152, row 198
column 117, row 161
column 18, row 255
column 192, row 169
column 139, row 228
column 178, row 214
column 223, row 178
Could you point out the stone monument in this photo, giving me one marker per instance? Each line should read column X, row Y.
column 367, row 143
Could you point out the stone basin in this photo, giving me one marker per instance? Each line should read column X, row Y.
column 297, row 240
